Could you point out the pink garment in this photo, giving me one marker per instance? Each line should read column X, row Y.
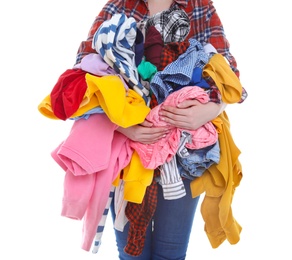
column 87, row 148
column 92, row 144
column 154, row 155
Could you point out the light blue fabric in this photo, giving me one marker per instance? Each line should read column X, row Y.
column 86, row 115
column 179, row 72
column 197, row 161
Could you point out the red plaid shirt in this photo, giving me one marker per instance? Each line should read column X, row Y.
column 205, row 26
column 204, row 22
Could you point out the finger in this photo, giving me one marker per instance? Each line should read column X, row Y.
column 154, row 132
column 150, row 139
column 146, row 123
column 170, row 111
column 188, row 103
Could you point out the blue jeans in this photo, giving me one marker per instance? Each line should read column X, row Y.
column 172, row 225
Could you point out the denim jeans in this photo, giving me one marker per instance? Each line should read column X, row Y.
column 168, row 236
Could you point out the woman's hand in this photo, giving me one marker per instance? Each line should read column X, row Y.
column 144, row 133
column 190, row 114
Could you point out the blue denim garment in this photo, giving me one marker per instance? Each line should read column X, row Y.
column 168, row 236
column 198, row 160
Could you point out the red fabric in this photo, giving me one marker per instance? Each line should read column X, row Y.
column 205, row 24
column 140, row 216
column 153, row 46
column 171, row 52
column 68, row 93
column 153, row 100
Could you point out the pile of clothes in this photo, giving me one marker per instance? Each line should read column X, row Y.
column 138, row 67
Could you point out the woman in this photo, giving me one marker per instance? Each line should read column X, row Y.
column 168, row 232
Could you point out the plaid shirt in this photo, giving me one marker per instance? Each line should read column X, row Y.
column 205, row 26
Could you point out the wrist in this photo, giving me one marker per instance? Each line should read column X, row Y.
column 222, row 107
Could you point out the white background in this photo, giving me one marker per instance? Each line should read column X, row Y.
column 39, row 40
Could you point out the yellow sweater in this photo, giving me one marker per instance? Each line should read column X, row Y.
column 225, row 79
column 136, row 179
column 219, row 183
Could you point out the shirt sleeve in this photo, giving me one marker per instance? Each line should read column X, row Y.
column 216, row 36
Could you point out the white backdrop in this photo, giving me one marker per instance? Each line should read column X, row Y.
column 39, row 41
